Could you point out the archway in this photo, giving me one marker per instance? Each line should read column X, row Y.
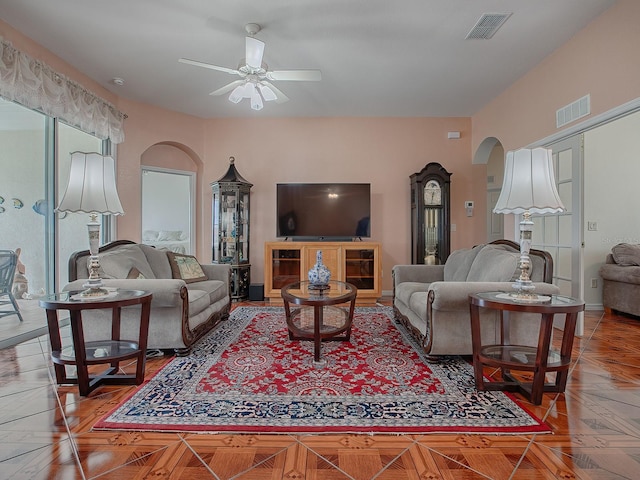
column 491, row 153
column 169, row 189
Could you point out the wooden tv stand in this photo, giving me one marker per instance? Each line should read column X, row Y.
column 358, row 263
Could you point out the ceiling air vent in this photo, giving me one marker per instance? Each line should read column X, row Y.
column 575, row 110
column 487, row 26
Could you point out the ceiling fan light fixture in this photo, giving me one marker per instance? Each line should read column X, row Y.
column 267, row 93
column 237, row 94
column 256, row 99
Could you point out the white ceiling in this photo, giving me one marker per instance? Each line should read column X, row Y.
column 377, row 57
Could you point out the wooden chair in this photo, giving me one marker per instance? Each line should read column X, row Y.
column 8, row 262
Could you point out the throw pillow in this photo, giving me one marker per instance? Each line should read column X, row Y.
column 150, row 235
column 135, row 274
column 493, row 264
column 626, row 254
column 118, row 262
column 186, row 267
column 170, row 235
column 459, row 263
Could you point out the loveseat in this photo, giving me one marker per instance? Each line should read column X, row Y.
column 432, row 301
column 189, row 299
column 621, row 279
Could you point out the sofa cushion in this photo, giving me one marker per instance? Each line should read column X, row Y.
column 405, row 290
column 493, row 264
column 457, row 267
column 117, row 263
column 158, row 261
column 216, row 289
column 186, row 267
column 198, row 302
column 626, row 254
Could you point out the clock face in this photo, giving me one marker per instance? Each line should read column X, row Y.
column 432, row 193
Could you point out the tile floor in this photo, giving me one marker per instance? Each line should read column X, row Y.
column 45, row 431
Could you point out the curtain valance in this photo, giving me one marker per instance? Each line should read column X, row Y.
column 36, row 85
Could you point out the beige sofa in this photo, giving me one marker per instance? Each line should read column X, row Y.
column 181, row 311
column 432, row 301
column 621, row 279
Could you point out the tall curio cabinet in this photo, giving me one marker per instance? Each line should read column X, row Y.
column 430, row 215
column 231, row 228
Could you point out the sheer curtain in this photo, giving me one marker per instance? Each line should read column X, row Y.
column 34, row 84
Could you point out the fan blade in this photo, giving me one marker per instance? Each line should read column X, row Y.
column 296, row 75
column 227, row 88
column 280, row 97
column 208, row 65
column 254, row 52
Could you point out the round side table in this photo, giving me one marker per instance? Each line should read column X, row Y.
column 539, row 359
column 112, row 351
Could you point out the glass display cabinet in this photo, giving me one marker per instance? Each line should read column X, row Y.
column 430, row 215
column 231, row 228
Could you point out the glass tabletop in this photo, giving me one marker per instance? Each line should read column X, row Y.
column 73, row 297
column 507, row 297
column 307, row 291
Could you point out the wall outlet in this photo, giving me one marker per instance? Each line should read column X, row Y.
column 592, row 226
column 594, row 283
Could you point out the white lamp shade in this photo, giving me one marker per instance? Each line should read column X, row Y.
column 529, row 183
column 256, row 99
column 237, row 94
column 92, row 185
column 267, row 93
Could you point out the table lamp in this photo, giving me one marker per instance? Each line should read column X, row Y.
column 529, row 186
column 92, row 189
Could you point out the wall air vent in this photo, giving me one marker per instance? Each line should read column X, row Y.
column 575, row 110
column 487, row 26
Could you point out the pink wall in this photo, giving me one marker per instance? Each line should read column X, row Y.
column 601, row 60
column 381, row 151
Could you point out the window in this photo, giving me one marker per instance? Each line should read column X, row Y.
column 32, row 183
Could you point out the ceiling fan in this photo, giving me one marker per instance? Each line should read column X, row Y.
column 255, row 83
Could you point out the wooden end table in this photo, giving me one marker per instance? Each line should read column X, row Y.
column 539, row 359
column 328, row 321
column 112, row 351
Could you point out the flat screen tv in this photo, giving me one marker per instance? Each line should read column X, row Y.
column 323, row 211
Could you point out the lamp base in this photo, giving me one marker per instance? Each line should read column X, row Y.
column 528, row 297
column 94, row 290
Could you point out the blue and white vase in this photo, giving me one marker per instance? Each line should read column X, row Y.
column 319, row 274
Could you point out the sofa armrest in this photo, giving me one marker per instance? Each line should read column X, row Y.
column 166, row 292
column 217, row 271
column 417, row 273
column 454, row 296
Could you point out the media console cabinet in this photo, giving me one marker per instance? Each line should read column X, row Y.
column 358, row 263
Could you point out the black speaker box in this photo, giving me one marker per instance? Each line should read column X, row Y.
column 256, row 292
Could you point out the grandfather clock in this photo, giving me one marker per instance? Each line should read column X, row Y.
column 231, row 228
column 430, row 215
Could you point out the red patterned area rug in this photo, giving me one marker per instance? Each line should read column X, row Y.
column 247, row 376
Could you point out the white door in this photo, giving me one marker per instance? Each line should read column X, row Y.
column 495, row 221
column 561, row 234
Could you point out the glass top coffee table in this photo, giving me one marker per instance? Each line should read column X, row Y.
column 318, row 317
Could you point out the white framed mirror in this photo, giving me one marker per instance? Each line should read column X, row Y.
column 168, row 209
